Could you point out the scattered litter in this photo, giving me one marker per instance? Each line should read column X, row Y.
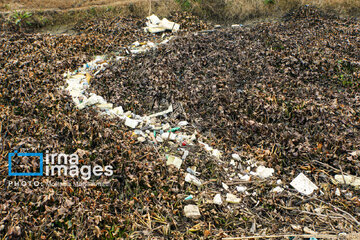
column 131, row 122
column 172, row 160
column 185, row 154
column 141, row 139
column 230, row 198
column 236, row 156
column 192, row 211
column 241, row 189
column 244, row 177
column 337, row 192
column 155, row 25
column 217, row 199
column 169, row 110
column 92, row 100
column 189, row 197
column 226, row 187
column 303, row 185
column 174, row 129
column 349, row 179
column 264, row 172
column 166, row 126
column 193, row 172
column 277, row 189
column 192, row 179
column 183, row 123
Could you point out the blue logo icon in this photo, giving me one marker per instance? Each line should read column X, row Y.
column 40, row 155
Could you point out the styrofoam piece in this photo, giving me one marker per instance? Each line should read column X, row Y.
column 226, row 187
column 92, row 100
column 277, row 189
column 183, row 123
column 303, row 185
column 173, row 160
column 105, row 106
column 264, row 172
column 169, row 110
column 153, row 19
column 192, row 211
column 131, row 122
column 349, row 179
column 192, row 179
column 236, row 156
column 118, row 111
column 231, row 198
column 217, row 199
column 241, row 188
column 168, row 25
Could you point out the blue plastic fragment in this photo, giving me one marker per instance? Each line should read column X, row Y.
column 189, row 197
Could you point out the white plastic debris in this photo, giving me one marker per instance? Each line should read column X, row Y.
column 173, row 160
column 337, row 192
column 185, row 154
column 277, row 189
column 192, row 179
column 165, row 135
column 153, row 19
column 244, row 177
column 231, row 198
column 236, row 156
column 92, row 100
column 166, row 126
column 264, row 172
column 131, row 122
column 141, row 139
column 155, row 25
column 349, row 179
column 105, row 106
column 241, row 189
column 217, row 199
column 226, row 187
column 192, row 211
column 169, row 110
column 117, row 111
column 183, row 123
column 216, row 153
column 303, row 185
column 172, row 136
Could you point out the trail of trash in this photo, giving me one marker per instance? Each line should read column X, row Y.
column 218, row 133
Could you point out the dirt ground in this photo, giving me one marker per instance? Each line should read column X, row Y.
column 7, row 5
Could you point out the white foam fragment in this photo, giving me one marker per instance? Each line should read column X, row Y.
column 264, row 172
column 226, row 187
column 231, row 198
column 303, row 185
column 217, row 199
column 348, row 179
column 192, row 179
column 277, row 189
column 192, row 211
column 131, row 122
column 241, row 188
column 236, row 156
column 173, row 160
